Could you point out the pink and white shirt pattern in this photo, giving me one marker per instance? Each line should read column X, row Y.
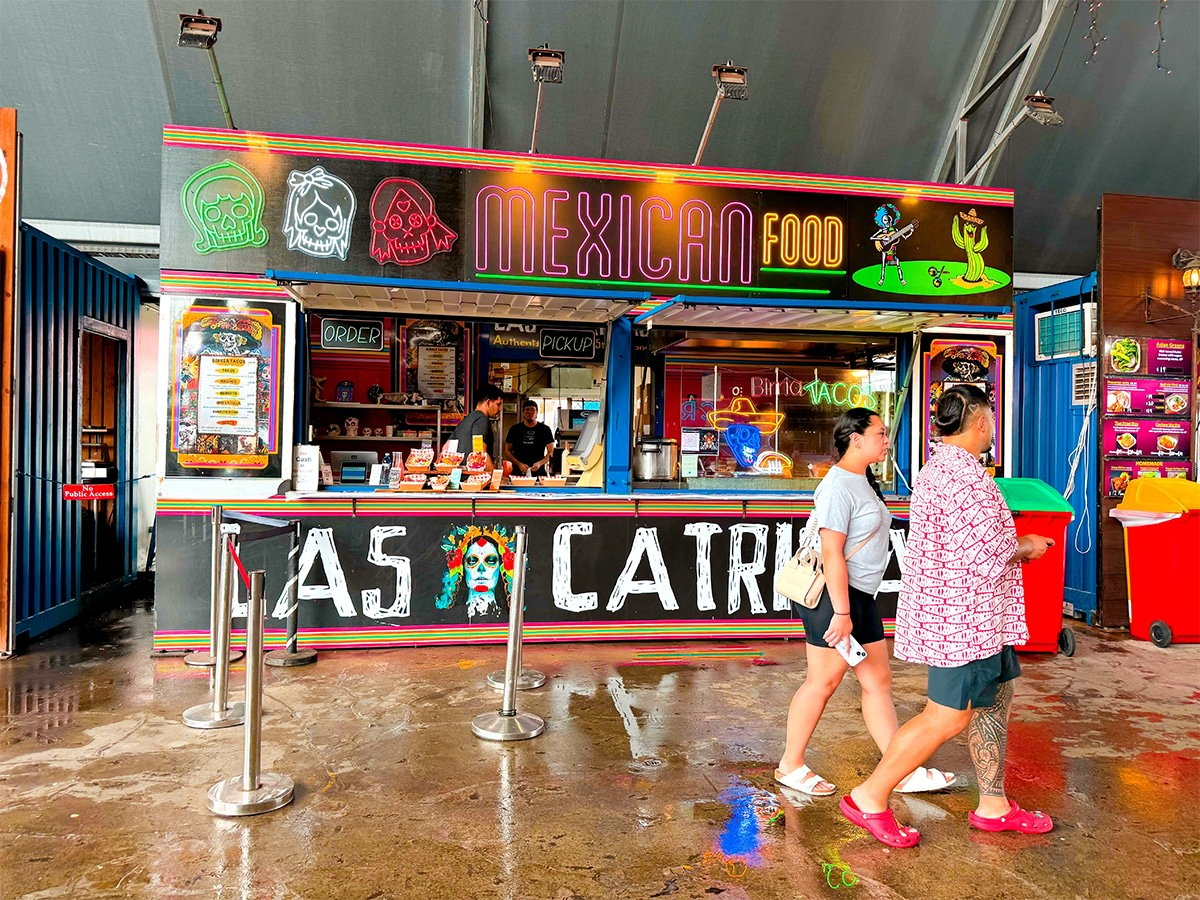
column 960, row 598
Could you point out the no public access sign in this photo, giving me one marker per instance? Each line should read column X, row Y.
column 89, row 491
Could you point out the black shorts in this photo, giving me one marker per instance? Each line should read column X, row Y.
column 867, row 625
column 973, row 683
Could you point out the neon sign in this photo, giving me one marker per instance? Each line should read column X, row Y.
column 224, row 205
column 591, row 235
column 839, row 393
column 742, row 410
column 815, row 241
column 405, row 228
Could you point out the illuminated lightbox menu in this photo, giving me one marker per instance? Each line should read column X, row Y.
column 1148, row 400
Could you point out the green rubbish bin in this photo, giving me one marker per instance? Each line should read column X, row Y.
column 1039, row 509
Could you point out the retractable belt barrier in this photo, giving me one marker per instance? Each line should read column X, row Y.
column 507, row 724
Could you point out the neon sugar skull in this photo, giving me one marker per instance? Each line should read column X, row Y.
column 405, row 228
column 319, row 213
column 224, row 205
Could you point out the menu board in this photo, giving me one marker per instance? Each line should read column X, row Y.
column 436, row 372
column 1118, row 474
column 227, row 399
column 1147, row 356
column 1148, row 404
column 1147, row 397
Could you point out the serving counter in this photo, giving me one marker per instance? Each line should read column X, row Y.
column 424, row 569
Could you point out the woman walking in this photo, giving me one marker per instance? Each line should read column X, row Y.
column 854, row 531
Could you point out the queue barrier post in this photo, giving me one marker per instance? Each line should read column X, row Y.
column 219, row 712
column 253, row 791
column 209, row 656
column 290, row 654
column 507, row 724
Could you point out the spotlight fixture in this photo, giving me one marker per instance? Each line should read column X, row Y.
column 731, row 83
column 200, row 31
column 547, row 68
column 1040, row 108
column 546, row 64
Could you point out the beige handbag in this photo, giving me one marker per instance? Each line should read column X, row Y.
column 802, row 578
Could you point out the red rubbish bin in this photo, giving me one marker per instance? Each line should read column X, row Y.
column 1162, row 559
column 1039, row 509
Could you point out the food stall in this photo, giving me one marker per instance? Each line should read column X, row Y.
column 689, row 334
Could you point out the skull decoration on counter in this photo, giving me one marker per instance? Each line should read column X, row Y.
column 405, row 228
column 351, row 424
column 333, row 430
column 345, row 392
column 319, row 213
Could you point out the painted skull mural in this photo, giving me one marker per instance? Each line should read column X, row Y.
column 318, row 214
column 405, row 228
column 479, row 570
column 224, row 205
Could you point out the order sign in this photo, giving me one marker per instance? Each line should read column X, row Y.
column 89, row 491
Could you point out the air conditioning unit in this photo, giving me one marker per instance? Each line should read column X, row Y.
column 1066, row 331
column 1083, row 384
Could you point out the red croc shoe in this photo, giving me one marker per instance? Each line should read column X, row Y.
column 881, row 825
column 1017, row 819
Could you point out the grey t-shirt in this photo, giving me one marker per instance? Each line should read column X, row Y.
column 844, row 502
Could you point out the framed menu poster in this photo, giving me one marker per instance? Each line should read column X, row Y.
column 224, row 378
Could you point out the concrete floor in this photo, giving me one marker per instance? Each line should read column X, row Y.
column 651, row 780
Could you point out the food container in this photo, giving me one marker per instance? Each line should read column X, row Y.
column 553, row 480
column 449, row 461
column 523, row 480
column 419, row 460
column 656, row 459
column 414, row 481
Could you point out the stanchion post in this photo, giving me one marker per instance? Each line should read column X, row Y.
column 219, row 712
column 527, row 679
column 291, row 655
column 207, row 658
column 508, row 724
column 253, row 791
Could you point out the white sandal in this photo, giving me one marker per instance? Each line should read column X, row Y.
column 922, row 781
column 805, row 780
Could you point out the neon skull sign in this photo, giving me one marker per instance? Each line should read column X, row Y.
column 224, row 205
column 318, row 214
column 405, row 228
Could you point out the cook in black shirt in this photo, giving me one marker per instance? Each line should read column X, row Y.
column 529, row 444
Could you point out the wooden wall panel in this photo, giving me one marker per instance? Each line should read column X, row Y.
column 1138, row 236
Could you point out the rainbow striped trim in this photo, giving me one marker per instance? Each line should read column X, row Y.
column 535, row 632
column 176, row 281
column 482, row 504
column 456, row 157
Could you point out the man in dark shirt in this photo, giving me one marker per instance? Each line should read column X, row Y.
column 488, row 401
column 529, row 444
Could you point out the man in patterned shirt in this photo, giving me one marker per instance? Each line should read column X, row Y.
column 962, row 607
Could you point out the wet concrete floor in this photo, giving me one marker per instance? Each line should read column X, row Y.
column 652, row 779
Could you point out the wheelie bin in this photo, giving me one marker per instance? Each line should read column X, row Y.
column 1161, row 517
column 1039, row 509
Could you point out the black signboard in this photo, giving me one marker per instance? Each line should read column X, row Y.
column 578, row 345
column 371, row 570
column 255, row 210
column 352, row 334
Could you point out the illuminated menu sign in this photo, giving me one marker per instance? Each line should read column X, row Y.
column 586, row 225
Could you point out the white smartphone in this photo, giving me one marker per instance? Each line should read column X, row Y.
column 851, row 651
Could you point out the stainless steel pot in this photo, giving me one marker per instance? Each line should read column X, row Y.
column 656, row 459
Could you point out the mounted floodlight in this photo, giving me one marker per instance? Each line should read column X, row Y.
column 547, row 68
column 731, row 83
column 1040, row 108
column 200, row 31
column 547, row 64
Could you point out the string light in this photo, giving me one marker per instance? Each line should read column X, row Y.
column 1093, row 31
column 1162, row 7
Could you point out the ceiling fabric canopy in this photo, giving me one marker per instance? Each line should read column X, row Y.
column 864, row 89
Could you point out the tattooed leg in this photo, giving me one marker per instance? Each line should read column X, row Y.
column 987, row 739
